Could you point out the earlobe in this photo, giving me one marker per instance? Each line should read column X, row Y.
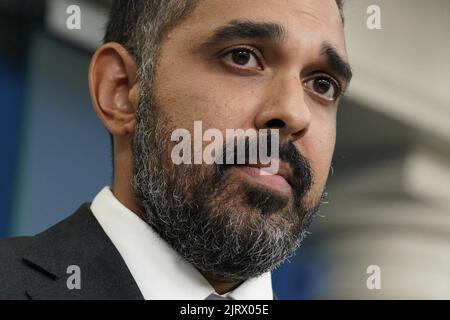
column 113, row 85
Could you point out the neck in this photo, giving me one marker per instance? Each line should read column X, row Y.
column 221, row 286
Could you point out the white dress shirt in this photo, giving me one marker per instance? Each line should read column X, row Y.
column 159, row 271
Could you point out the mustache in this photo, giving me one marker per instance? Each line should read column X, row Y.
column 288, row 153
column 301, row 168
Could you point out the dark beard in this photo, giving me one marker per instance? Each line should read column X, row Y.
column 218, row 222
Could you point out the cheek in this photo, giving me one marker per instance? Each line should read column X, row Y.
column 195, row 94
column 318, row 147
column 189, row 92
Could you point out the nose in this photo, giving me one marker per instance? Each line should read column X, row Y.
column 284, row 108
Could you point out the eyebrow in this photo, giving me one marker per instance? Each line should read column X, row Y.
column 246, row 29
column 336, row 62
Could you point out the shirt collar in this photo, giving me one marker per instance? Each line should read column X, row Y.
column 159, row 271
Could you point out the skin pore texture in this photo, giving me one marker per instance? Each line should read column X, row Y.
column 285, row 79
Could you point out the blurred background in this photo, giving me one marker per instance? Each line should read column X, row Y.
column 389, row 194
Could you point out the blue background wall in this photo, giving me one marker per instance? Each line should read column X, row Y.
column 64, row 159
column 11, row 84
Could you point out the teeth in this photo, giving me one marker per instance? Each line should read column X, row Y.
column 272, row 170
column 266, row 171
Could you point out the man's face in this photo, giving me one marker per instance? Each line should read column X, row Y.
column 255, row 64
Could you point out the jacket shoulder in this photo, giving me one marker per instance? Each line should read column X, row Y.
column 36, row 267
column 12, row 267
column 17, row 271
column 12, row 247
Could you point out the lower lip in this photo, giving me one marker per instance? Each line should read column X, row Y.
column 273, row 181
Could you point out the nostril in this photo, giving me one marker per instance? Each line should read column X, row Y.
column 275, row 124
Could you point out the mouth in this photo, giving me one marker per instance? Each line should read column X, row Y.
column 280, row 182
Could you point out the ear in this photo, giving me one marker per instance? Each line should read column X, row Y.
column 114, row 88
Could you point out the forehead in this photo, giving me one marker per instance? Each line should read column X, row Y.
column 307, row 22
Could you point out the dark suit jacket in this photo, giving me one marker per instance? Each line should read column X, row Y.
column 36, row 267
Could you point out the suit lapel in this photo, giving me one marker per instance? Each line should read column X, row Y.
column 79, row 241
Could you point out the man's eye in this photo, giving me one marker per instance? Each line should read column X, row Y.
column 324, row 87
column 243, row 58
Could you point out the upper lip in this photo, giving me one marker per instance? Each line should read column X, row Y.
column 284, row 170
